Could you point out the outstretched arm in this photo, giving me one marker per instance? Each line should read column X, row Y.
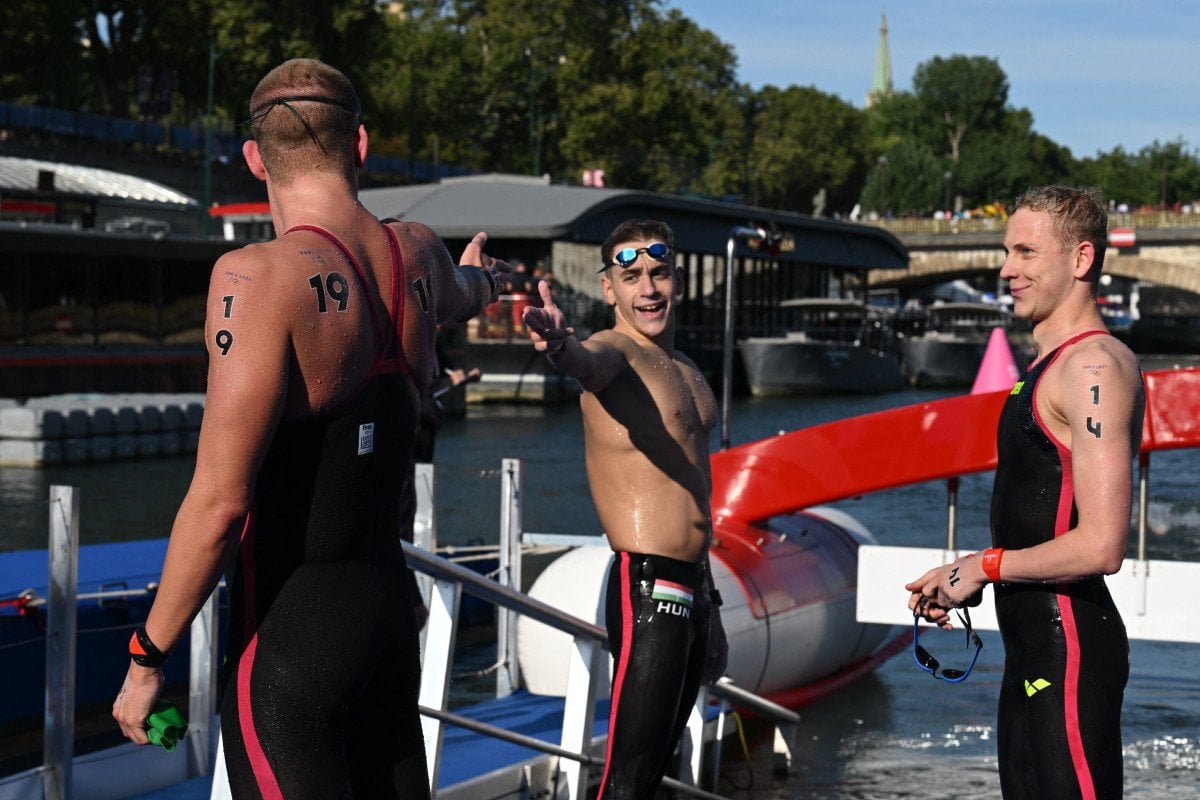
column 460, row 291
column 473, row 264
column 593, row 363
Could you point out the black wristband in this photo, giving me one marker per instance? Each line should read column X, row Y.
column 491, row 279
column 715, row 596
column 487, row 273
column 143, row 651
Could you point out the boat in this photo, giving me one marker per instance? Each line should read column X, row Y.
column 829, row 346
column 1117, row 316
column 942, row 345
column 1164, row 320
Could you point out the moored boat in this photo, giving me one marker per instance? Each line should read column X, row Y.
column 829, row 346
column 944, row 343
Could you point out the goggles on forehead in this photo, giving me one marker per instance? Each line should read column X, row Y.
column 627, row 255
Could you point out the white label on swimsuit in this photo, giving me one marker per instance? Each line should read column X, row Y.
column 366, row 438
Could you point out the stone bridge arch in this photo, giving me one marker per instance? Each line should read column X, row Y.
column 1166, row 258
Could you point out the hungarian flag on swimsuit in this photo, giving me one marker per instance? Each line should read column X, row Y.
column 672, row 592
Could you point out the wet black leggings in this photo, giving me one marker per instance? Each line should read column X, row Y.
column 1066, row 664
column 657, row 619
column 322, row 702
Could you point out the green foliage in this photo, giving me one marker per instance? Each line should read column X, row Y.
column 908, row 177
column 962, row 94
column 806, row 140
column 561, row 86
column 1158, row 176
column 656, row 97
column 41, row 53
column 1000, row 163
column 955, row 144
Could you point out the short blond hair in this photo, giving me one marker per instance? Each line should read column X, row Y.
column 304, row 115
column 1079, row 216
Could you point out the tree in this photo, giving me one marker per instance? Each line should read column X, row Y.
column 1158, row 175
column 806, row 140
column 997, row 165
column 142, row 52
column 729, row 173
column 253, row 36
column 649, row 109
column 42, row 55
column 1176, row 169
column 962, row 93
column 908, row 178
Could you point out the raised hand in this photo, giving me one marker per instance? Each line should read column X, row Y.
column 501, row 271
column 547, row 325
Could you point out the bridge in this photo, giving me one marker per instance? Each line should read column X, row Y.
column 1165, row 250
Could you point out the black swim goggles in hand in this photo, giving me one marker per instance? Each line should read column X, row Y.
column 627, row 255
column 930, row 664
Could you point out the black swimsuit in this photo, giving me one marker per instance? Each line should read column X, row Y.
column 322, row 672
column 658, row 620
column 1066, row 653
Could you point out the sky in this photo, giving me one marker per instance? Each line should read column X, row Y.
column 1096, row 74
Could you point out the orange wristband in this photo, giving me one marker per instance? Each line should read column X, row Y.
column 991, row 563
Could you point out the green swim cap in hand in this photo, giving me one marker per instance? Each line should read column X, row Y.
column 165, row 726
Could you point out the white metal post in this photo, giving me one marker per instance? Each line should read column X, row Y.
column 691, row 744
column 425, row 529
column 202, row 687
column 579, row 712
column 508, row 676
column 61, row 624
column 435, row 671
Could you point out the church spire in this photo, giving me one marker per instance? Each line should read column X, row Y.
column 882, row 85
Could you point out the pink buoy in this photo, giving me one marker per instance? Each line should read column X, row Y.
column 998, row 370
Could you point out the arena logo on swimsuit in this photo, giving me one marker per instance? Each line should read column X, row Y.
column 674, row 598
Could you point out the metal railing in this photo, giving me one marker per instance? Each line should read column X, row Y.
column 443, row 582
column 443, row 597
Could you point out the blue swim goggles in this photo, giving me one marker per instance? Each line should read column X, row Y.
column 627, row 255
column 930, row 664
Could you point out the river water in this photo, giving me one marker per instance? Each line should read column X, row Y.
column 893, row 734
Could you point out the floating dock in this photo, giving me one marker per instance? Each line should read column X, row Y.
column 86, row 428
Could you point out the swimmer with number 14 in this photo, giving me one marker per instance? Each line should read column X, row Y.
column 1060, row 514
column 647, row 414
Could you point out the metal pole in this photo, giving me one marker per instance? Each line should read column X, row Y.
column 208, row 109
column 61, row 626
column 202, row 687
column 508, row 676
column 534, row 124
column 952, row 513
column 425, row 531
column 727, row 348
column 1143, row 493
